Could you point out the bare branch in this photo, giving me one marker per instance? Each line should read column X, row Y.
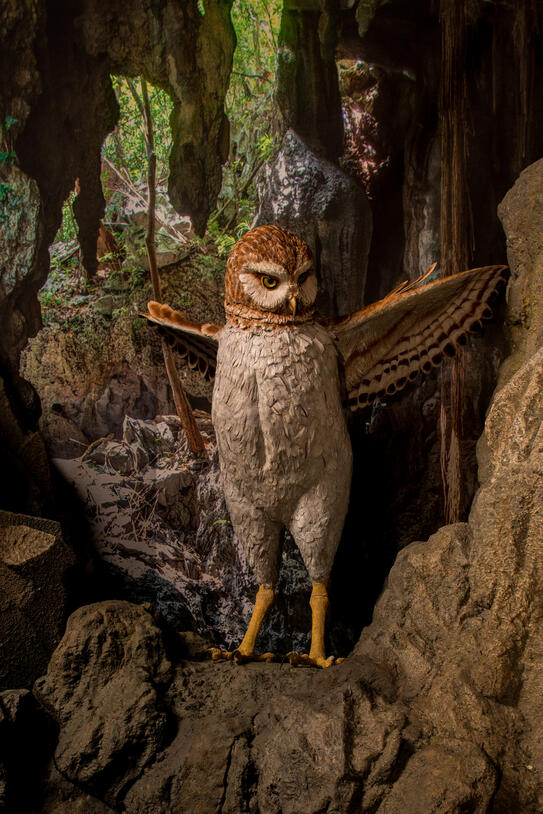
column 134, row 191
column 184, row 411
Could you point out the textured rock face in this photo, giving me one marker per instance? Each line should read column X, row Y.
column 311, row 197
column 91, row 377
column 109, row 706
column 438, row 707
column 307, row 92
column 189, row 53
column 521, row 213
column 34, row 562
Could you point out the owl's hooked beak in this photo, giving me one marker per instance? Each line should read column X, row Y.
column 293, row 302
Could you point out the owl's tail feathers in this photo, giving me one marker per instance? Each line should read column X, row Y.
column 195, row 342
column 412, row 330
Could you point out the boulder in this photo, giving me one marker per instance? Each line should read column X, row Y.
column 34, row 565
column 521, row 214
column 108, row 702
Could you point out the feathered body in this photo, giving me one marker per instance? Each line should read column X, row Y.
column 284, row 449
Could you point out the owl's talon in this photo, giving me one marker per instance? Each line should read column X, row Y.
column 238, row 656
column 220, row 655
column 305, row 660
column 244, row 658
column 268, row 657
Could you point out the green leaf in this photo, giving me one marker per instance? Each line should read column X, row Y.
column 8, row 157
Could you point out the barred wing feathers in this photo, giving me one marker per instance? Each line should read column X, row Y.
column 385, row 345
column 195, row 342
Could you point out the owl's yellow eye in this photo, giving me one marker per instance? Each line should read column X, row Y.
column 270, row 282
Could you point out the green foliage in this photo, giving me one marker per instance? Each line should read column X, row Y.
column 68, row 226
column 125, row 147
column 7, row 153
column 7, row 156
column 6, row 202
column 249, row 106
column 50, row 300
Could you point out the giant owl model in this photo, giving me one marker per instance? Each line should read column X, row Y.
column 282, row 372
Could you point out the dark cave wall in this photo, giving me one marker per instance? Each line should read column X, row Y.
column 503, row 69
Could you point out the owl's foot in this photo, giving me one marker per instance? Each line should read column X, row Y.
column 242, row 658
column 246, row 651
column 238, row 656
column 220, row 655
column 317, row 654
column 307, row 660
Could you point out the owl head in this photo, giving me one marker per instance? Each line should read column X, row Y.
column 269, row 272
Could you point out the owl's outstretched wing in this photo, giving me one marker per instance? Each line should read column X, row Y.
column 385, row 345
column 196, row 342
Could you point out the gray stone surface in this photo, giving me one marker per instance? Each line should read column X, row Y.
column 34, row 563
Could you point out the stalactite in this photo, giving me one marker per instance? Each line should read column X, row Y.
column 456, row 228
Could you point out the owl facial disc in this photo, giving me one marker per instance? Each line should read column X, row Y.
column 269, row 271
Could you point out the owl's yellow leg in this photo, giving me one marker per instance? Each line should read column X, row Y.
column 317, row 656
column 246, row 650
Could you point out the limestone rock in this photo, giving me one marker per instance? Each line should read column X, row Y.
column 104, row 686
column 90, row 378
column 59, row 796
column 307, row 92
column 447, row 777
column 58, row 104
column 203, row 736
column 521, row 213
column 34, row 563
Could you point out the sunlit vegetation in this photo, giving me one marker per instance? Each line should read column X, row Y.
column 124, row 157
